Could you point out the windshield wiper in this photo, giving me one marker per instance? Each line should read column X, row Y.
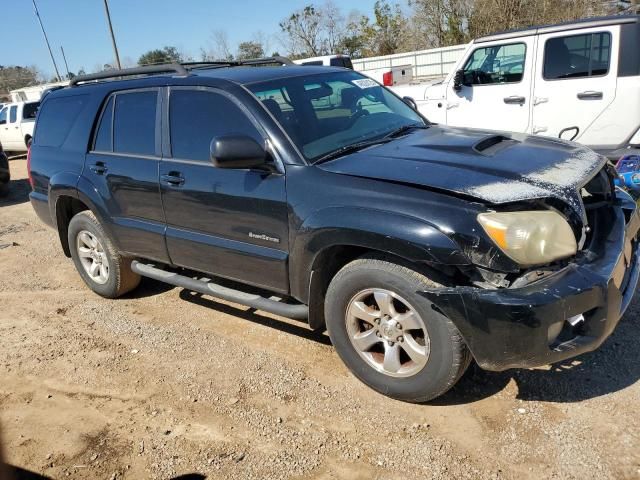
column 404, row 129
column 354, row 147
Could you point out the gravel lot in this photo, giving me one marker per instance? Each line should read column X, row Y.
column 163, row 383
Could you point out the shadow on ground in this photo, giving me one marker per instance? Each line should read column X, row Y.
column 18, row 193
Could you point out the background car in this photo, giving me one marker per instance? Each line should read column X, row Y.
column 628, row 168
column 5, row 176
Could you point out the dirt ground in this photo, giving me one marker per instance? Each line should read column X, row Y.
column 164, row 383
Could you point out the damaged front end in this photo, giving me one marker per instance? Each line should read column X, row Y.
column 541, row 315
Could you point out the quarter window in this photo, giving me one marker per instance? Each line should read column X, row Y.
column 577, row 56
column 3, row 116
column 134, row 125
column 104, row 138
column 496, row 64
column 196, row 117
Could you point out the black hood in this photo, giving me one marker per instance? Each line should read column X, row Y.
column 495, row 168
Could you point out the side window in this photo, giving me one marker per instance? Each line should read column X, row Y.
column 104, row 138
column 577, row 56
column 495, row 64
column 3, row 116
column 134, row 123
column 196, row 116
column 30, row 110
column 56, row 119
column 13, row 114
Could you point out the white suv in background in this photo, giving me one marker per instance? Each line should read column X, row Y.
column 16, row 125
column 577, row 81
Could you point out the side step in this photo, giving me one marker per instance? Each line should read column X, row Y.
column 295, row 311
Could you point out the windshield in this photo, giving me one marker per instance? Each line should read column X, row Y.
column 324, row 113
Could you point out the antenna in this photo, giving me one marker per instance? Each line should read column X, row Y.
column 46, row 40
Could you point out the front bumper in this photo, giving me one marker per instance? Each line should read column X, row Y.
column 517, row 327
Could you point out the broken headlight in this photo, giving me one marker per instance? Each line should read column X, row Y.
column 530, row 238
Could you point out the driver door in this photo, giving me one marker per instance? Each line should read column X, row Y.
column 496, row 91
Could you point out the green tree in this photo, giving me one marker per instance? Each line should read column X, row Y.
column 159, row 56
column 303, row 30
column 250, row 49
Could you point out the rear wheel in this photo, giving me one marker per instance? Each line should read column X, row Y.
column 389, row 336
column 101, row 267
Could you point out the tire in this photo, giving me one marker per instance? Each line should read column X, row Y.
column 439, row 354
column 92, row 250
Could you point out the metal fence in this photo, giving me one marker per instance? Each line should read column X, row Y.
column 436, row 62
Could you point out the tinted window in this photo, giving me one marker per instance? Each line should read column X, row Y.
column 341, row 62
column 13, row 114
column 323, row 113
column 30, row 110
column 103, row 136
column 135, row 123
column 495, row 64
column 198, row 116
column 313, row 62
column 56, row 119
column 3, row 116
column 577, row 56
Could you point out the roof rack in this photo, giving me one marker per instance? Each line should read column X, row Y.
column 128, row 72
column 277, row 60
column 180, row 69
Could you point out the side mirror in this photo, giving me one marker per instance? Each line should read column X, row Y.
column 411, row 102
column 458, row 80
column 237, row 151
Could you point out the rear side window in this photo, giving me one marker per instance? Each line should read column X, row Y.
column 13, row 114
column 104, row 138
column 341, row 62
column 197, row 116
column 134, row 124
column 577, row 56
column 30, row 110
column 3, row 116
column 56, row 119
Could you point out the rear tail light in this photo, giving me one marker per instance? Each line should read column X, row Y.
column 29, row 166
column 387, row 79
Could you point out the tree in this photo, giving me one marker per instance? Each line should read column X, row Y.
column 12, row 78
column 247, row 50
column 303, row 28
column 157, row 56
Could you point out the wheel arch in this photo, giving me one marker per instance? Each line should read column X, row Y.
column 336, row 236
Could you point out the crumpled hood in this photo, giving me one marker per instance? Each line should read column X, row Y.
column 493, row 167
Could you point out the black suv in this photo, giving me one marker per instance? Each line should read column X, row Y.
column 417, row 246
column 5, row 174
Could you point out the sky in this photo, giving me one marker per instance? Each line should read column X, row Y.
column 80, row 27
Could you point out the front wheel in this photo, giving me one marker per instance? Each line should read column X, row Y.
column 388, row 335
column 102, row 268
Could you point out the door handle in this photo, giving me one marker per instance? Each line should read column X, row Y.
column 539, row 100
column 15, row 128
column 99, row 168
column 172, row 178
column 590, row 95
column 514, row 100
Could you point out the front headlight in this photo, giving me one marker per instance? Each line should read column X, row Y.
column 530, row 238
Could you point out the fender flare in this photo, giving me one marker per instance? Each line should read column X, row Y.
column 404, row 236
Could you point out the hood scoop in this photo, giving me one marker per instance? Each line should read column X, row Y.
column 493, row 144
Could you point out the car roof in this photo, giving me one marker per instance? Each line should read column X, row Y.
column 561, row 27
column 246, row 75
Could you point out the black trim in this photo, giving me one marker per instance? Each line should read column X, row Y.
column 628, row 54
column 128, row 72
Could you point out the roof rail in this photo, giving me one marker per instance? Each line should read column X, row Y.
column 278, row 60
column 127, row 72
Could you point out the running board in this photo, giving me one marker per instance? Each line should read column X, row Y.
column 296, row 311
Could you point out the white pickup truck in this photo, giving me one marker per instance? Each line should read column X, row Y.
column 16, row 125
column 577, row 81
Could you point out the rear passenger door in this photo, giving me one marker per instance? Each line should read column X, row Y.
column 123, row 167
column 575, row 82
column 228, row 222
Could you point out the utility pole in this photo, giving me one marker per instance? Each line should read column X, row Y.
column 113, row 38
column 46, row 40
column 66, row 65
